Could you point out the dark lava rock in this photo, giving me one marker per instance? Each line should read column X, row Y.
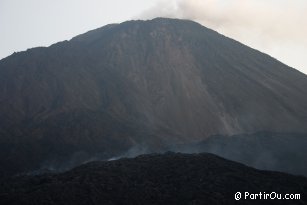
column 153, row 179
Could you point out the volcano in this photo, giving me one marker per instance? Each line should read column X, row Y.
column 144, row 84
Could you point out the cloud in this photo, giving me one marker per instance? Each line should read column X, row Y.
column 277, row 27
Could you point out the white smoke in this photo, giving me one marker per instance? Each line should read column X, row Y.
column 276, row 27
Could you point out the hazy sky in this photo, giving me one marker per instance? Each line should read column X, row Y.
column 276, row 27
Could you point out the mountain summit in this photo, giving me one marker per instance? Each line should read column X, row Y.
column 148, row 83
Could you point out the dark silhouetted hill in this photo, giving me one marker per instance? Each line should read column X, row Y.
column 153, row 179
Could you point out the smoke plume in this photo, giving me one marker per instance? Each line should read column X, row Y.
column 276, row 27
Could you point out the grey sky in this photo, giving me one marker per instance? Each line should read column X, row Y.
column 30, row 23
column 276, row 27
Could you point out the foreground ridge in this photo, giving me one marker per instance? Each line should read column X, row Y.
column 170, row 178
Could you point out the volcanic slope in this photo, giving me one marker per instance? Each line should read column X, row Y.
column 149, row 83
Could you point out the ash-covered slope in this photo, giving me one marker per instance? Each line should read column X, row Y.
column 154, row 179
column 284, row 152
column 152, row 82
